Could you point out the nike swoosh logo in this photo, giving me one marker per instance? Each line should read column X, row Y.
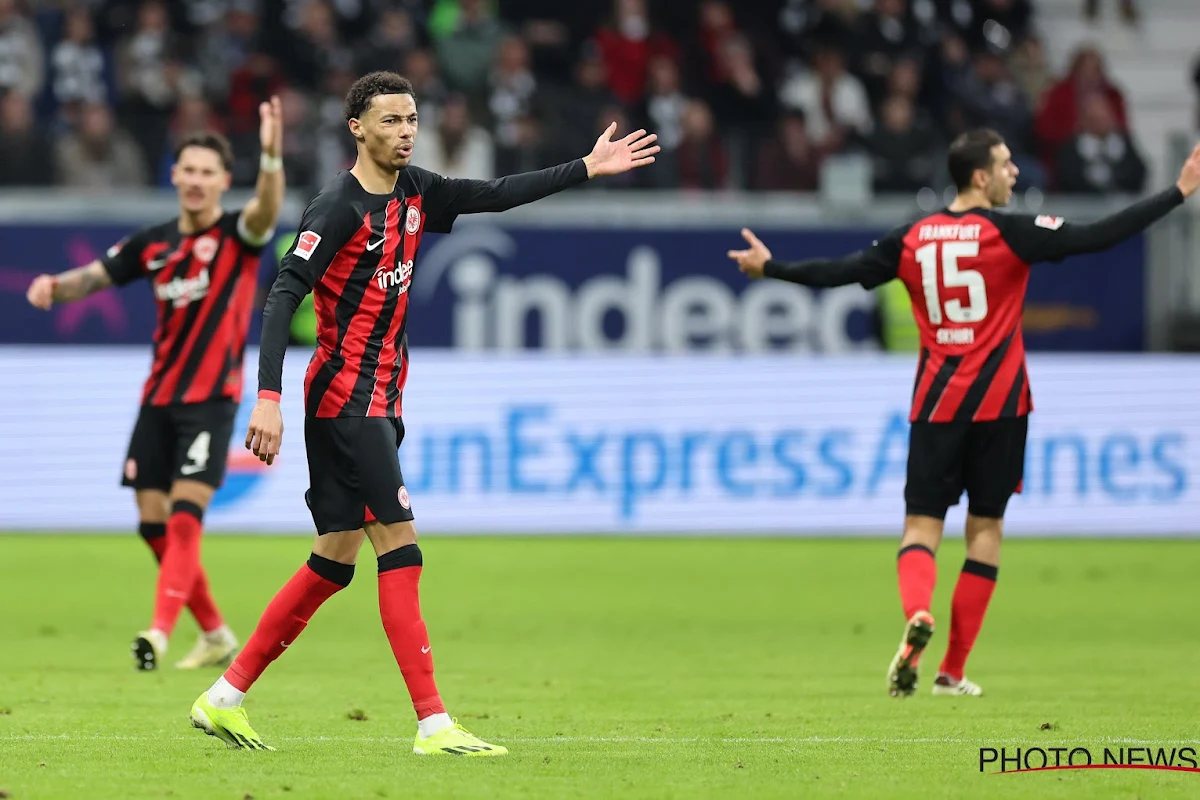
column 371, row 246
column 172, row 593
column 191, row 469
column 283, row 644
column 425, row 649
column 155, row 264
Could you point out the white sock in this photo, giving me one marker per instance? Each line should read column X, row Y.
column 434, row 723
column 224, row 694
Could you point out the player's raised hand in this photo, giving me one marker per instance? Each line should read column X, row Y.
column 612, row 157
column 41, row 292
column 265, row 433
column 1189, row 176
column 270, row 126
column 753, row 260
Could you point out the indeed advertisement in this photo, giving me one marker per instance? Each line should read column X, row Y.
column 630, row 290
column 538, row 443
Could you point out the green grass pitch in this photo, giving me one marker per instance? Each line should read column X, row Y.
column 612, row 668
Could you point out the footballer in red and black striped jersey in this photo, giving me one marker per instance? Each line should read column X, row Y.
column 203, row 268
column 966, row 269
column 357, row 253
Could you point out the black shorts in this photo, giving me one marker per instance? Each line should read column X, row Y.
column 354, row 472
column 985, row 459
column 184, row 440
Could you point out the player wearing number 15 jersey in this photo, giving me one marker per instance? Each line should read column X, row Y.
column 966, row 269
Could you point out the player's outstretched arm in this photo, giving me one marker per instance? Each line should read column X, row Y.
column 1047, row 238
column 260, row 214
column 870, row 267
column 608, row 157
column 74, row 284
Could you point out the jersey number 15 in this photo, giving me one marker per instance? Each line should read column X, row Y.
column 952, row 277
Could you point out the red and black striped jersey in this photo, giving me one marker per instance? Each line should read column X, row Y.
column 204, row 283
column 967, row 273
column 356, row 252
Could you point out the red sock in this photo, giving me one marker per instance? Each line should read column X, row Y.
column 200, row 601
column 286, row 617
column 974, row 590
column 180, row 564
column 400, row 610
column 918, row 575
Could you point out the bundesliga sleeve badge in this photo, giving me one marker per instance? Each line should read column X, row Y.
column 1048, row 222
column 306, row 243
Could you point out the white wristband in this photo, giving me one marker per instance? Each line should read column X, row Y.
column 268, row 163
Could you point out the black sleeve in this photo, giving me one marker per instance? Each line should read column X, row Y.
column 123, row 261
column 449, row 197
column 327, row 224
column 872, row 267
column 1047, row 238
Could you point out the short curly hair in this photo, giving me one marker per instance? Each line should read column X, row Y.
column 358, row 99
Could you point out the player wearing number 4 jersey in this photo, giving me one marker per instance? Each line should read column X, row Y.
column 966, row 269
column 356, row 253
column 203, row 268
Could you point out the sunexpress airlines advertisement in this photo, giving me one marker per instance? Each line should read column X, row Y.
column 734, row 444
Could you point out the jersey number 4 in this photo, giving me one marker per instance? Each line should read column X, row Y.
column 946, row 262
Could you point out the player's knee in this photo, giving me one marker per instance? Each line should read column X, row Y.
column 988, row 513
column 332, row 571
column 408, row 555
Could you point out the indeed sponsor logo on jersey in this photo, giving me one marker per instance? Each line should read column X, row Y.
column 400, row 276
column 956, row 233
column 183, row 291
column 534, row 449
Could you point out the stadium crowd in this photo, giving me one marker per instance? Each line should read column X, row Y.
column 743, row 95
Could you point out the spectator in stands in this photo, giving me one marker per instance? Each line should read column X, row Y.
column 575, row 107
column 421, row 68
column 904, row 150
column 98, row 155
column 703, row 163
column 335, row 151
column 906, row 79
column 1058, row 119
column 21, row 55
column 885, row 34
column 1027, row 63
column 512, row 103
column 662, row 112
column 742, row 99
column 249, row 85
column 466, row 55
column 832, row 100
column 78, row 64
column 151, row 78
column 717, row 24
column 990, row 97
column 1101, row 158
column 628, row 42
column 317, row 47
column 25, row 151
column 224, row 46
column 788, row 162
column 456, row 148
column 391, row 39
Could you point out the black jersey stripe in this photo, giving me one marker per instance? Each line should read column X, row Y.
column 938, row 387
column 983, row 380
column 1013, row 403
